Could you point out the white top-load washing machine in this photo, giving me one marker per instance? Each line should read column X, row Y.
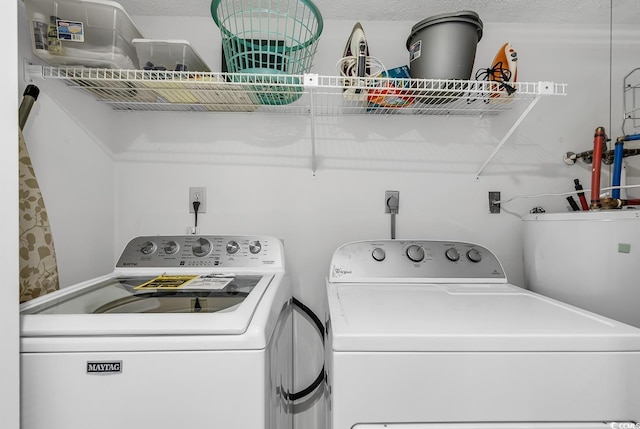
column 187, row 332
column 430, row 335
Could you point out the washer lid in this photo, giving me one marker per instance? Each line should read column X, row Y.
column 465, row 318
column 147, row 305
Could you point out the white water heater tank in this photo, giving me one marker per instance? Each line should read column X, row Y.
column 587, row 259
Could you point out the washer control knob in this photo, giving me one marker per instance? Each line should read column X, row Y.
column 201, row 247
column 415, row 253
column 452, row 254
column 255, row 247
column 171, row 247
column 474, row 255
column 233, row 247
column 148, row 247
column 378, row 254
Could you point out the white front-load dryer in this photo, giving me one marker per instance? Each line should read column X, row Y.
column 188, row 331
column 430, row 335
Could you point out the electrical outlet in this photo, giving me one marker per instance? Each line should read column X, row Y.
column 391, row 199
column 193, row 230
column 198, row 194
column 493, row 206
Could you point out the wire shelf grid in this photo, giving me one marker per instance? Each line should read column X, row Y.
column 148, row 90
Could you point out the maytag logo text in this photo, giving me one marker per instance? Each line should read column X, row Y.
column 108, row 367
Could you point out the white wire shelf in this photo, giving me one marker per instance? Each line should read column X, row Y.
column 309, row 94
column 294, row 94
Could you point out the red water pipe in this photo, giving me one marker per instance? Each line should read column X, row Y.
column 599, row 140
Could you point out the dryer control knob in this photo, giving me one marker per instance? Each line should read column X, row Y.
column 171, row 247
column 415, row 253
column 378, row 254
column 201, row 247
column 255, row 247
column 452, row 254
column 233, row 247
column 148, row 247
column 474, row 255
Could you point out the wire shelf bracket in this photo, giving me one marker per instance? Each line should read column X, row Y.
column 631, row 102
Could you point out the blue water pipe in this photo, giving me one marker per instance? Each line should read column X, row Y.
column 617, row 168
column 618, row 155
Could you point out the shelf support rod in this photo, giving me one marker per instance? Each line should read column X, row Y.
column 508, row 134
column 314, row 162
column 311, row 82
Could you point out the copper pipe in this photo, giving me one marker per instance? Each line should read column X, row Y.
column 599, row 140
column 607, row 156
column 616, row 203
column 610, row 203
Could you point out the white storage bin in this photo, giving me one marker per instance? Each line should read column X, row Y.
column 89, row 33
column 170, row 55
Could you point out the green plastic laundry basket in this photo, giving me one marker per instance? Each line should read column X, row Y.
column 269, row 37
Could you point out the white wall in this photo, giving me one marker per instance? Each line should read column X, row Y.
column 257, row 168
column 67, row 144
column 67, row 126
column 9, row 362
column 77, row 183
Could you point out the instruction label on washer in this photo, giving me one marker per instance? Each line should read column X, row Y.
column 208, row 283
column 184, row 282
column 167, row 282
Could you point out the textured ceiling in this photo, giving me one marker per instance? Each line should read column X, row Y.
column 518, row 11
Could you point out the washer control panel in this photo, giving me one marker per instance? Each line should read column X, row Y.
column 414, row 260
column 191, row 251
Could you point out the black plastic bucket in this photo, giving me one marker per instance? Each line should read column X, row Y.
column 444, row 46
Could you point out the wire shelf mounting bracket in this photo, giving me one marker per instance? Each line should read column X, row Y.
column 31, row 71
column 631, row 91
column 544, row 88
